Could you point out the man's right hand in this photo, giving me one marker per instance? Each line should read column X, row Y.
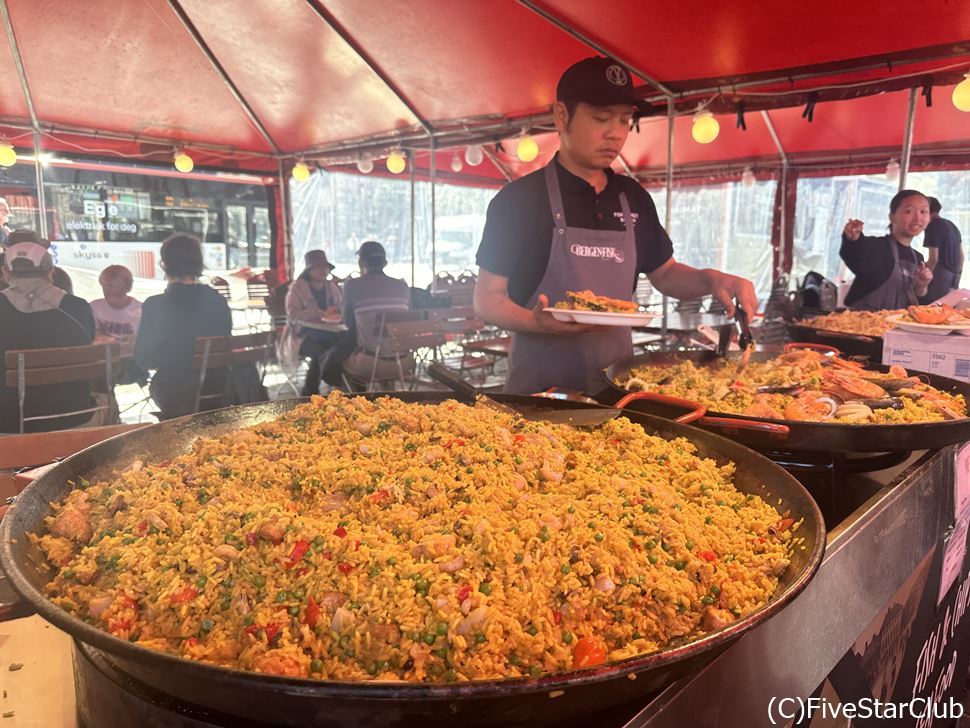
column 853, row 229
column 545, row 323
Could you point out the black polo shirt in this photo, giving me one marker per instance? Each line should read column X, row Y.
column 871, row 260
column 944, row 235
column 518, row 228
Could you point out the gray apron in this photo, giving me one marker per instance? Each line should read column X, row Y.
column 897, row 291
column 603, row 261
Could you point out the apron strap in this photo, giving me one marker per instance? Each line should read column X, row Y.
column 555, row 199
column 556, row 206
column 627, row 217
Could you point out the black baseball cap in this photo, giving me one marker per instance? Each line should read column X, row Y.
column 599, row 81
column 372, row 250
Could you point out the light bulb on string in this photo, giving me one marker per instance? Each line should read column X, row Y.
column 456, row 165
column 527, row 149
column 8, row 155
column 396, row 162
column 961, row 94
column 301, row 172
column 365, row 165
column 183, row 162
column 474, row 155
column 747, row 177
column 705, row 127
column 892, row 170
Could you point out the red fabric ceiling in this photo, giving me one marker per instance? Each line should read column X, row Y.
column 319, row 73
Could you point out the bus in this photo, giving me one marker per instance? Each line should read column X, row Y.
column 103, row 213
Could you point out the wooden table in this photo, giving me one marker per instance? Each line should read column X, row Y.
column 497, row 347
column 332, row 326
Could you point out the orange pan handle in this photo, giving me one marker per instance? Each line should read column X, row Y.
column 824, row 348
column 729, row 425
column 697, row 410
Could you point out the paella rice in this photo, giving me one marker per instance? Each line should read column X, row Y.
column 866, row 323
column 354, row 540
column 802, row 385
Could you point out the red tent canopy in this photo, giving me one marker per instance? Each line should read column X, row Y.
column 243, row 83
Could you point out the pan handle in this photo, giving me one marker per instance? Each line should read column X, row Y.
column 697, row 410
column 11, row 605
column 729, row 425
column 440, row 373
column 859, row 338
column 824, row 348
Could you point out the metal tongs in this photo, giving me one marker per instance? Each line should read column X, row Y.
column 745, row 339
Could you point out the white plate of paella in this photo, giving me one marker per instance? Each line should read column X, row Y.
column 955, row 322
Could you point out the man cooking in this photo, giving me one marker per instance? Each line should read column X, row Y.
column 577, row 225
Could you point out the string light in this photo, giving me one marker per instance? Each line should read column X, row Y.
column 365, row 165
column 301, row 172
column 8, row 155
column 183, row 162
column 396, row 162
column 474, row 155
column 961, row 94
column 705, row 127
column 527, row 149
column 456, row 165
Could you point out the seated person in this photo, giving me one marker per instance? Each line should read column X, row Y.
column 310, row 299
column 365, row 299
column 59, row 276
column 35, row 314
column 170, row 324
column 117, row 314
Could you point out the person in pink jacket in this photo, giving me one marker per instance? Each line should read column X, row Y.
column 313, row 298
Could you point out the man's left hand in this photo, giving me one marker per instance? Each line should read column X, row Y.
column 726, row 288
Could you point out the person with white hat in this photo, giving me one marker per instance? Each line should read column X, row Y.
column 35, row 314
column 312, row 299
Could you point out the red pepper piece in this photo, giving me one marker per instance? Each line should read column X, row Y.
column 312, row 613
column 299, row 550
column 187, row 594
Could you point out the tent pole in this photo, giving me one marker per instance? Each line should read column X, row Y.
column 499, row 164
column 413, row 246
column 907, row 140
column 223, row 74
column 599, row 48
column 41, row 195
column 626, row 167
column 327, row 17
column 25, row 89
column 284, row 217
column 671, row 115
column 783, row 206
column 434, row 175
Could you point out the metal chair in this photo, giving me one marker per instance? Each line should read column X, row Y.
column 404, row 343
column 222, row 287
column 39, row 367
column 224, row 352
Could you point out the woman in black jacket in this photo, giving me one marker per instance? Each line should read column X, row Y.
column 170, row 324
column 889, row 274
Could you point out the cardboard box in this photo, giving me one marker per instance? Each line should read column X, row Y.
column 946, row 356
